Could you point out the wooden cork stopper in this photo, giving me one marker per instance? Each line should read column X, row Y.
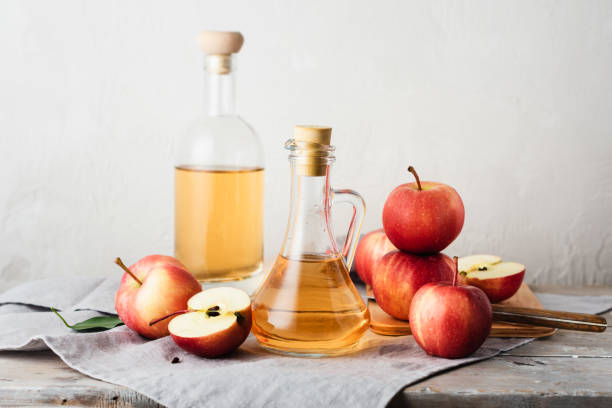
column 312, row 162
column 220, row 42
column 313, row 134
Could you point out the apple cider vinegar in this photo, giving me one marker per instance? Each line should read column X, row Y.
column 218, row 222
column 218, row 179
column 309, row 305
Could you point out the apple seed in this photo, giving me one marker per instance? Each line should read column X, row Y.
column 213, row 311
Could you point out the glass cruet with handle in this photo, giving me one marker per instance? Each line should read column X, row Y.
column 308, row 305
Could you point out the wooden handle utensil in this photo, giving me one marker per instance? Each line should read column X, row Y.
column 549, row 318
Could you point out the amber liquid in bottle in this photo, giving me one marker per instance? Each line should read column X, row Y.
column 219, row 221
column 309, row 306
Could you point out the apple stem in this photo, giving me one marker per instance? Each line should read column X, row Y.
column 456, row 261
column 119, row 262
column 152, row 322
column 416, row 176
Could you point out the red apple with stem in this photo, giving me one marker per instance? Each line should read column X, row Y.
column 423, row 217
column 399, row 275
column 450, row 320
column 217, row 321
column 154, row 286
column 372, row 247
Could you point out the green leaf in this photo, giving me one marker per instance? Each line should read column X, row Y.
column 95, row 324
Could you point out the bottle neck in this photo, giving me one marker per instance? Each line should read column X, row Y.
column 309, row 228
column 219, row 87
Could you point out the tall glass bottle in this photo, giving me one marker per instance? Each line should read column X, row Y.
column 308, row 305
column 219, row 173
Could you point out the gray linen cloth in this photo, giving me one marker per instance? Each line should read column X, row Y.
column 250, row 377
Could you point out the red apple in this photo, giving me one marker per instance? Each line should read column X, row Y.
column 372, row 247
column 399, row 275
column 449, row 320
column 154, row 286
column 218, row 322
column 423, row 217
column 498, row 280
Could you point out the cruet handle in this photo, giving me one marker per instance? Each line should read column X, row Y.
column 352, row 236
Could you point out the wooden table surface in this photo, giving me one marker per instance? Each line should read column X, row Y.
column 569, row 369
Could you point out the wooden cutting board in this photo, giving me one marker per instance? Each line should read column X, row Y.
column 382, row 323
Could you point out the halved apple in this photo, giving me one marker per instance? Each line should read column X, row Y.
column 217, row 323
column 474, row 262
column 498, row 280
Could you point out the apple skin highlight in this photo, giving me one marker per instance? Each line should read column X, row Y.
column 166, row 287
column 423, row 221
column 399, row 275
column 450, row 321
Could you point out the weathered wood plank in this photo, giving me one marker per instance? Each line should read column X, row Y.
column 38, row 379
column 517, row 382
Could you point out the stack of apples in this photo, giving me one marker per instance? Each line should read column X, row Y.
column 412, row 280
column 420, row 219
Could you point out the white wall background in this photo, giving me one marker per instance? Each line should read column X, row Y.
column 509, row 102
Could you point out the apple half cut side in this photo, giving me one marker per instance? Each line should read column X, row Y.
column 498, row 281
column 474, row 262
column 218, row 322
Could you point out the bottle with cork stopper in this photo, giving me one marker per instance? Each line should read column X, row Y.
column 218, row 177
column 308, row 305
